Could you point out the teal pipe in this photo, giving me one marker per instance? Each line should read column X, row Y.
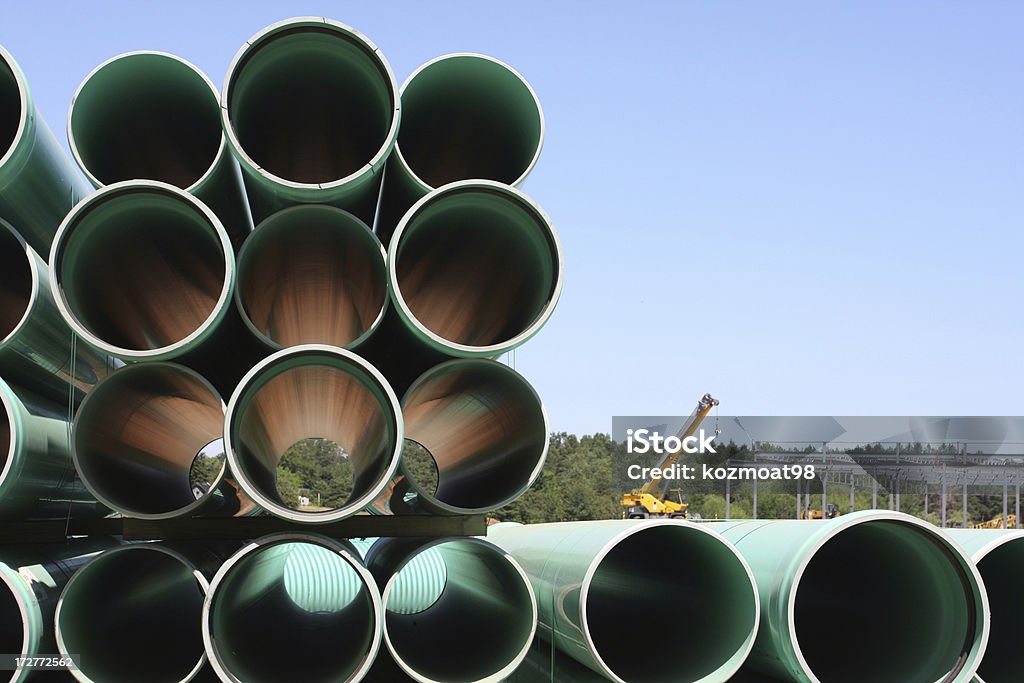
column 292, row 607
column 871, row 596
column 140, row 433
column 602, row 587
column 38, row 182
column 36, row 345
column 312, row 274
column 464, row 116
column 451, row 595
column 153, row 115
column 143, row 271
column 999, row 556
column 134, row 613
column 311, row 110
column 315, row 392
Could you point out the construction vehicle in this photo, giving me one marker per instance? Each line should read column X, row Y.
column 831, row 512
column 997, row 523
column 652, row 500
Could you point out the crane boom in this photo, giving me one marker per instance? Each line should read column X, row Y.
column 689, row 428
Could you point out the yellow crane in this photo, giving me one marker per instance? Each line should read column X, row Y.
column 651, row 500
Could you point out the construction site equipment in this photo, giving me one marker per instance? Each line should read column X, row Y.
column 140, row 435
column 311, row 110
column 464, row 116
column 38, row 182
column 599, row 583
column 651, row 499
column 842, row 596
column 154, row 116
column 483, row 607
column 831, row 512
column 292, row 607
column 998, row 523
column 314, row 392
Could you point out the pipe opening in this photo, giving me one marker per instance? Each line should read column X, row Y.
column 1000, row 570
column 712, row 589
column 293, row 611
column 141, row 269
column 312, row 275
column 10, row 107
column 134, row 615
column 467, row 116
column 474, row 602
column 6, row 437
column 477, row 267
column 482, row 426
column 317, row 425
column 12, row 625
column 421, row 465
column 15, row 281
column 311, row 103
column 149, row 116
column 883, row 601
column 147, row 440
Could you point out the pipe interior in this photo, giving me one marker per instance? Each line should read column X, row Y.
column 312, row 275
column 483, row 613
column 294, row 611
column 134, row 615
column 467, row 117
column 141, row 270
column 674, row 574
column 477, row 267
column 6, row 436
column 1000, row 569
column 10, row 107
column 15, row 282
column 311, row 104
column 139, row 433
column 12, row 627
column 884, row 601
column 147, row 116
column 325, row 421
column 484, row 427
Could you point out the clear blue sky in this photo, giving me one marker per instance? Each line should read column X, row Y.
column 802, row 207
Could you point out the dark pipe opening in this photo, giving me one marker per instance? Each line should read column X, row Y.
column 134, row 615
column 311, row 104
column 312, row 275
column 141, row 270
column 482, row 426
column 1000, row 569
column 6, row 437
column 477, row 267
column 15, row 281
column 468, row 117
column 292, row 611
column 709, row 586
column 146, row 116
column 137, row 437
column 10, row 107
column 12, row 627
column 885, row 602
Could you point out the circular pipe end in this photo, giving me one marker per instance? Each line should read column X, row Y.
column 142, row 270
column 999, row 564
column 19, row 281
column 21, row 620
column 320, row 407
column 475, row 268
column 14, row 106
column 292, row 87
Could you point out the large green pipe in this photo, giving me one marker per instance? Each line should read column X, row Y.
column 999, row 555
column 153, row 115
column 37, row 477
column 872, row 596
column 142, row 270
column 292, row 607
column 38, row 182
column 36, row 348
column 31, row 579
column 312, row 274
column 145, row 434
column 471, row 598
column 485, row 430
column 464, row 116
column 314, row 398
column 603, row 587
column 134, row 613
column 311, row 110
